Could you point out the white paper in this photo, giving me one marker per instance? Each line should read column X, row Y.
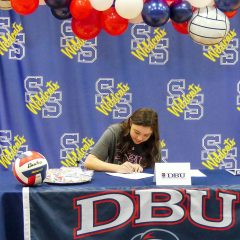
column 131, row 175
column 196, row 173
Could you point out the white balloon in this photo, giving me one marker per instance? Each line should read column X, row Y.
column 136, row 20
column 5, row 5
column 101, row 5
column 201, row 3
column 211, row 4
column 129, row 9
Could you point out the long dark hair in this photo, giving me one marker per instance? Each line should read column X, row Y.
column 146, row 117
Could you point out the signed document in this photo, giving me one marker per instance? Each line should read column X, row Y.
column 131, row 175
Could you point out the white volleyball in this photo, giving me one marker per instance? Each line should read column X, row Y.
column 201, row 3
column 30, row 168
column 208, row 26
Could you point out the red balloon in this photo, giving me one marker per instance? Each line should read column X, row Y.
column 88, row 27
column 181, row 27
column 24, row 7
column 194, row 9
column 80, row 9
column 112, row 23
column 231, row 14
column 169, row 2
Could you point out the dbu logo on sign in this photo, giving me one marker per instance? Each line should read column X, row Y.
column 43, row 97
column 173, row 175
column 186, row 101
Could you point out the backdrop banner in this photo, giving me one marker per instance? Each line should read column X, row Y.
column 58, row 93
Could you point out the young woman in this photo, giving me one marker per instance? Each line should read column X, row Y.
column 128, row 146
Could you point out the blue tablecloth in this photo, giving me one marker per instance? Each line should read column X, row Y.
column 11, row 219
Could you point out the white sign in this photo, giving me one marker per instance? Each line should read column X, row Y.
column 172, row 174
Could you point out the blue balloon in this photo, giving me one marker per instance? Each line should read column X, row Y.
column 57, row 3
column 155, row 13
column 61, row 13
column 227, row 5
column 181, row 11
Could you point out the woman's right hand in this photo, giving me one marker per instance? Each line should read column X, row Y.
column 96, row 164
column 128, row 167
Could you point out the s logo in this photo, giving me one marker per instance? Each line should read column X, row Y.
column 159, row 55
column 87, row 53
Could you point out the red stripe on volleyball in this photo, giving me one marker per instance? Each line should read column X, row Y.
column 26, row 159
column 31, row 180
column 19, row 179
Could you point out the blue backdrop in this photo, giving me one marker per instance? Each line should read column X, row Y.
column 51, row 90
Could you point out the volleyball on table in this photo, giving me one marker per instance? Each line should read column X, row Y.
column 30, row 168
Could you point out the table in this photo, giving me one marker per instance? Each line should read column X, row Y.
column 110, row 207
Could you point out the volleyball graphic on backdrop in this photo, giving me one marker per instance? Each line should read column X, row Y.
column 30, row 168
column 208, row 26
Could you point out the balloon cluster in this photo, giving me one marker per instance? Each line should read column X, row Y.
column 181, row 11
column 89, row 17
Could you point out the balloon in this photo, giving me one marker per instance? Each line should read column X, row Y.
column 181, row 11
column 61, row 13
column 155, row 12
column 80, row 9
column 24, row 7
column 227, row 5
column 169, row 2
column 231, row 14
column 181, row 27
column 5, row 5
column 112, row 23
column 211, row 4
column 194, row 9
column 88, row 27
column 129, row 8
column 101, row 5
column 57, row 3
column 200, row 3
column 136, row 20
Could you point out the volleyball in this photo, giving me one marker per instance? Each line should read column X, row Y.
column 5, row 5
column 30, row 168
column 208, row 26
